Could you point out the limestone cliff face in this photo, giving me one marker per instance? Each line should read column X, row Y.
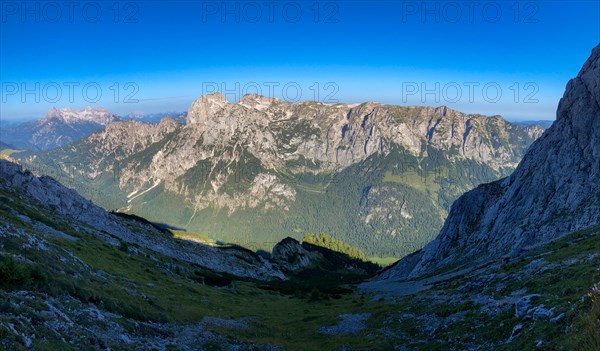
column 338, row 135
column 555, row 190
column 336, row 168
column 204, row 108
column 260, row 133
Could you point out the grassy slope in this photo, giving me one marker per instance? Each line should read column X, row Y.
column 565, row 278
column 162, row 286
column 140, row 286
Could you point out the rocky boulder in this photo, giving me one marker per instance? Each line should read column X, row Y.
column 290, row 255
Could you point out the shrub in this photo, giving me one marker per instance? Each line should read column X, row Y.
column 585, row 333
column 13, row 274
column 123, row 246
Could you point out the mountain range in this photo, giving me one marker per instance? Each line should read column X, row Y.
column 378, row 177
column 515, row 266
column 542, row 123
column 60, row 127
column 57, row 128
column 180, row 117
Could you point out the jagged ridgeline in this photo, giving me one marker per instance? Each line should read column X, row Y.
column 378, row 177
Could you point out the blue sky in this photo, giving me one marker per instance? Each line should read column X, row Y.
column 491, row 57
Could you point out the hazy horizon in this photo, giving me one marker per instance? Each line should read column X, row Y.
column 16, row 119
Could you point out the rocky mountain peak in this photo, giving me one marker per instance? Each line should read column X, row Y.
column 167, row 122
column 555, row 190
column 257, row 154
column 256, row 101
column 578, row 109
column 205, row 107
column 442, row 111
column 97, row 115
column 53, row 112
column 58, row 127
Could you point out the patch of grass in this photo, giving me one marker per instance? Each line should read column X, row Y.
column 577, row 244
column 383, row 261
column 20, row 275
column 585, row 334
column 191, row 236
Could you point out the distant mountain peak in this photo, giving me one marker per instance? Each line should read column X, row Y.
column 53, row 112
column 205, row 107
column 98, row 115
column 59, row 127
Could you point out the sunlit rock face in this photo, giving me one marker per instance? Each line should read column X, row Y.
column 287, row 163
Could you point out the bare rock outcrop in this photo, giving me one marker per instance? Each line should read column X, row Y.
column 555, row 190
